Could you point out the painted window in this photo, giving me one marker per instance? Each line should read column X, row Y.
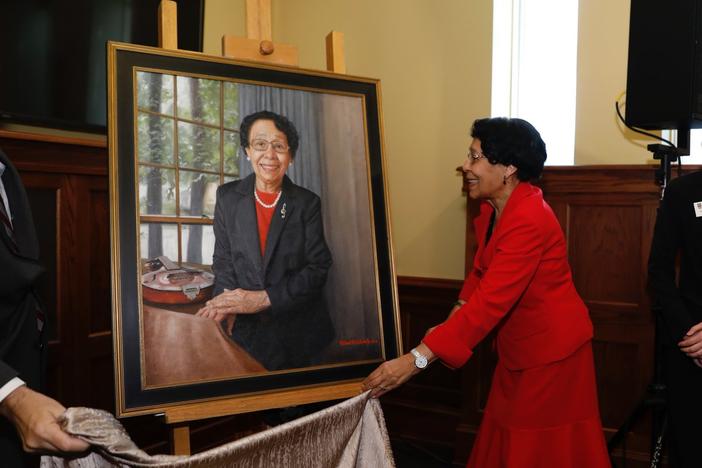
column 187, row 143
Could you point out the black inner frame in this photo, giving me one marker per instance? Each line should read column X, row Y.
column 134, row 396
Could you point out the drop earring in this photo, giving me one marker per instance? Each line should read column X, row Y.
column 504, row 180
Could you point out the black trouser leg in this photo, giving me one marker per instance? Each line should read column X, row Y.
column 684, row 384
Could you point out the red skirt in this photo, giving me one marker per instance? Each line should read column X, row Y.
column 543, row 417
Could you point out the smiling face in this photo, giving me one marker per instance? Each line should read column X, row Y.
column 268, row 165
column 485, row 180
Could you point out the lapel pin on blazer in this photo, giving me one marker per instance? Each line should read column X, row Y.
column 282, row 212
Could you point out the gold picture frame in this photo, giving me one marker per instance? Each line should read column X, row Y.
column 173, row 140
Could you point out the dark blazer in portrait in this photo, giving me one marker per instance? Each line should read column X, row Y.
column 21, row 342
column 293, row 270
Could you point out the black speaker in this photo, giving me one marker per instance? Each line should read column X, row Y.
column 664, row 73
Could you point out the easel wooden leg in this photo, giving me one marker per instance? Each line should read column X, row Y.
column 335, row 52
column 258, row 20
column 168, row 24
column 180, row 438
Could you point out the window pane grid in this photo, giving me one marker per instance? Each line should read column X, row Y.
column 181, row 167
column 183, row 119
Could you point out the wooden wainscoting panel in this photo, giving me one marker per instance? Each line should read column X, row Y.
column 605, row 215
column 48, row 154
column 46, row 193
column 93, row 328
column 560, row 209
column 98, row 206
column 426, row 410
column 603, row 243
column 608, row 214
column 600, row 179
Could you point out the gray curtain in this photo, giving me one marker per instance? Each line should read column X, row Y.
column 351, row 289
column 302, row 108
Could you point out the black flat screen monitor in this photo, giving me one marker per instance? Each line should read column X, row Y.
column 52, row 55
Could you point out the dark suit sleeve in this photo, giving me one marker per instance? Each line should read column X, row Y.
column 222, row 265
column 667, row 242
column 19, row 271
column 7, row 373
column 306, row 283
column 7, row 309
column 17, row 275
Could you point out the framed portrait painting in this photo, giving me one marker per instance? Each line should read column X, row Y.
column 186, row 232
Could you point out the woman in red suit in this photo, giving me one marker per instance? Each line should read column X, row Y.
column 542, row 409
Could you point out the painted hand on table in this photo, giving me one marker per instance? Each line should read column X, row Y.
column 691, row 343
column 226, row 306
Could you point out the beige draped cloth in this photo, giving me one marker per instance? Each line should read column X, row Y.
column 349, row 434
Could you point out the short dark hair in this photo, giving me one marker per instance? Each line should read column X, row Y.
column 512, row 141
column 281, row 122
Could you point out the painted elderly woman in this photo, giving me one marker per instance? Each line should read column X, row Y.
column 270, row 258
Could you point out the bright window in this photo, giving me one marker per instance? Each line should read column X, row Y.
column 695, row 156
column 695, row 148
column 535, row 45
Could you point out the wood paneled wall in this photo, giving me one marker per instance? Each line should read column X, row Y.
column 67, row 186
column 607, row 214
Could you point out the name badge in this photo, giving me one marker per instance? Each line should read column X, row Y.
column 698, row 208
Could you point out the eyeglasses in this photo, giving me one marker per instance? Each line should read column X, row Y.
column 475, row 155
column 260, row 144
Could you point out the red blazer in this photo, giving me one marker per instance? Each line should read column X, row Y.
column 521, row 284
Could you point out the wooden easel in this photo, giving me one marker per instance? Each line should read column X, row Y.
column 258, row 46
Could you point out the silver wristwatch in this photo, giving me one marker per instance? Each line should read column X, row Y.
column 420, row 360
